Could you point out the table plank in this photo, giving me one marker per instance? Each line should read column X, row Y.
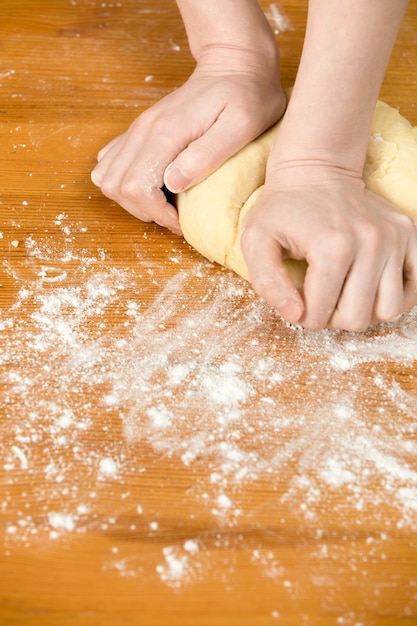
column 172, row 453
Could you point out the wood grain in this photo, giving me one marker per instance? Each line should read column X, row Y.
column 107, row 517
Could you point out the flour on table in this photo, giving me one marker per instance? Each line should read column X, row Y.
column 264, row 398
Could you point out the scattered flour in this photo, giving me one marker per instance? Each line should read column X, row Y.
column 278, row 20
column 178, row 566
column 267, row 401
column 108, row 468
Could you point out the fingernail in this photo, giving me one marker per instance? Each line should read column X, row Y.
column 290, row 310
column 95, row 179
column 174, row 179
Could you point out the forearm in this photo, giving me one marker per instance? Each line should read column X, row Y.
column 345, row 55
column 227, row 26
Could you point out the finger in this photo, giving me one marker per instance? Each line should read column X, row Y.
column 389, row 301
column 136, row 189
column 156, row 209
column 354, row 310
column 110, row 161
column 410, row 275
column 110, row 145
column 268, row 275
column 206, row 153
column 397, row 292
column 329, row 263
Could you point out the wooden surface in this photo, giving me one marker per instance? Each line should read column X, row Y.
column 171, row 453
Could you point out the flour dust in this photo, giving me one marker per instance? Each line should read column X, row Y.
column 216, row 381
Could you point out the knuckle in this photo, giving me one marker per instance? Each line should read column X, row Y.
column 160, row 124
column 336, row 246
column 370, row 236
column 243, row 116
column 263, row 284
column 109, row 187
column 129, row 189
column 145, row 119
column 406, row 222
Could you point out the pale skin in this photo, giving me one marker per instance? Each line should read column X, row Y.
column 361, row 252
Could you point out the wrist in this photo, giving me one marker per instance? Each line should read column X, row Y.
column 287, row 174
column 323, row 138
column 229, row 28
column 226, row 58
column 345, row 53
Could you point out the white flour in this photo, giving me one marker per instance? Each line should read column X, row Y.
column 279, row 22
column 218, row 383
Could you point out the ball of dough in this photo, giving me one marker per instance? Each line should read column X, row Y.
column 212, row 212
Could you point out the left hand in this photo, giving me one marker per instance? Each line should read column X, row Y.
column 231, row 98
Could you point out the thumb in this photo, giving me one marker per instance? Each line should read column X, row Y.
column 202, row 157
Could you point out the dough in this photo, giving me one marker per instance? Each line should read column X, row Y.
column 212, row 212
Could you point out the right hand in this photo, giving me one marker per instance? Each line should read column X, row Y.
column 361, row 251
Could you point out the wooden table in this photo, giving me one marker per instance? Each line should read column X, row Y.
column 171, row 452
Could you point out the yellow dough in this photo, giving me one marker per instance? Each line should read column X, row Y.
column 212, row 212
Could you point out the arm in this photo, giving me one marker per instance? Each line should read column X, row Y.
column 315, row 206
column 345, row 55
column 233, row 95
column 229, row 37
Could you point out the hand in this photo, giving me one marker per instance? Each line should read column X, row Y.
column 232, row 97
column 361, row 254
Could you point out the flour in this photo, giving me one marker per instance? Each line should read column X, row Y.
column 108, row 468
column 278, row 20
column 61, row 521
column 267, row 402
column 177, row 565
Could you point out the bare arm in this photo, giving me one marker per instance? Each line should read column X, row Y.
column 345, row 55
column 239, row 24
column 233, row 95
column 231, row 36
column 315, row 207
